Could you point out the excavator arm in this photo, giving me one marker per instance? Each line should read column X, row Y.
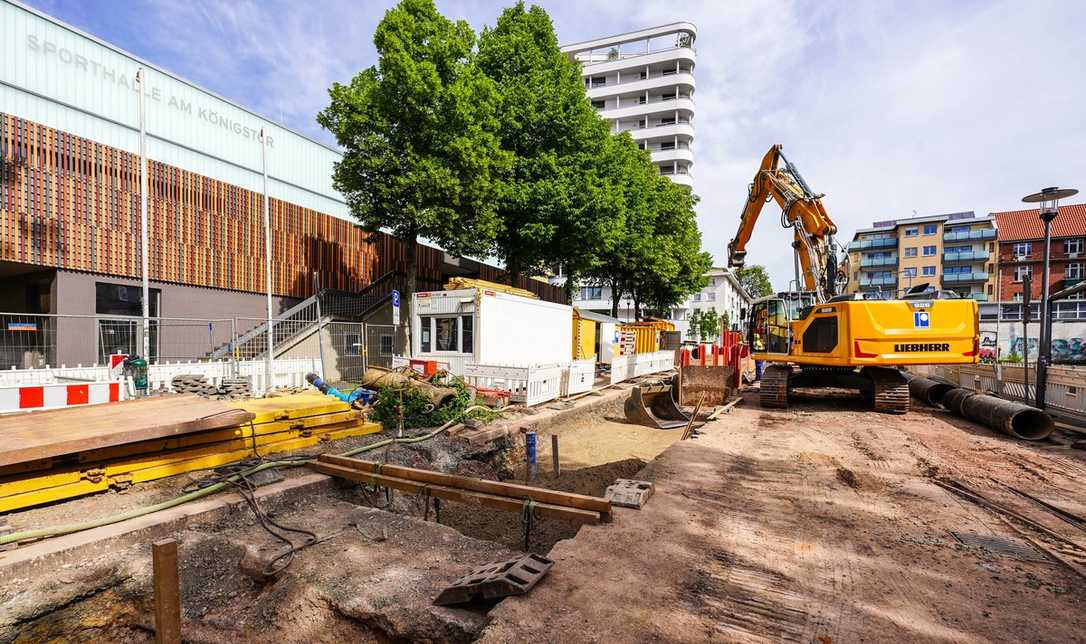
column 802, row 211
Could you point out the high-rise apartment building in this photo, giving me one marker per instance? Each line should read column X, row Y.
column 643, row 83
column 955, row 252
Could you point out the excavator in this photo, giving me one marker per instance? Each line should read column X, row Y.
column 817, row 336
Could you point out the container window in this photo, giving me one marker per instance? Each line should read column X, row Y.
column 467, row 324
column 425, row 340
column 447, row 334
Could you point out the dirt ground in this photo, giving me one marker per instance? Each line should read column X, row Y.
column 821, row 524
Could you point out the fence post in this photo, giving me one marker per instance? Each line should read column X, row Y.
column 320, row 331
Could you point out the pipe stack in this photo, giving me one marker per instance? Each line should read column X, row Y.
column 1011, row 418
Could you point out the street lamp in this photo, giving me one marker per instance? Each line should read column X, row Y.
column 1049, row 199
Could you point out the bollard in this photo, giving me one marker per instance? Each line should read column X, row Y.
column 529, row 451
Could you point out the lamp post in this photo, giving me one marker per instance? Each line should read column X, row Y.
column 1049, row 199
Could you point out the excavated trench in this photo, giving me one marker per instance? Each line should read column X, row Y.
column 372, row 578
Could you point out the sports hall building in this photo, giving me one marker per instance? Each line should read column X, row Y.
column 70, row 202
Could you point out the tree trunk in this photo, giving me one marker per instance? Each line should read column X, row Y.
column 569, row 288
column 616, row 295
column 637, row 307
column 411, row 268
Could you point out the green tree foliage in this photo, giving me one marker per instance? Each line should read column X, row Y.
column 755, row 280
column 656, row 258
column 419, row 133
column 555, row 205
column 706, row 324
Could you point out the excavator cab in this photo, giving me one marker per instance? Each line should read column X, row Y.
column 770, row 329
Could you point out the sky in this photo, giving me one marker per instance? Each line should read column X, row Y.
column 889, row 109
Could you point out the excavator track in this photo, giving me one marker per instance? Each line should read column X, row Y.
column 774, row 387
column 891, row 390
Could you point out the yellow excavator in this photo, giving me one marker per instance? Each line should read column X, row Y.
column 818, row 337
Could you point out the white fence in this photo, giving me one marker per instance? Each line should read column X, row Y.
column 285, row 373
column 578, row 377
column 641, row 364
column 529, row 385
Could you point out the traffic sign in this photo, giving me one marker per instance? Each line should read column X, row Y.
column 395, row 308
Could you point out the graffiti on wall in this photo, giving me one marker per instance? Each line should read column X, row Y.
column 1007, row 342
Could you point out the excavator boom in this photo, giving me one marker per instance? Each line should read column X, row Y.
column 802, row 211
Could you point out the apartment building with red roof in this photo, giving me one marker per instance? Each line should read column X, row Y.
column 1021, row 250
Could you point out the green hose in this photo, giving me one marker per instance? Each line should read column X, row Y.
column 45, row 533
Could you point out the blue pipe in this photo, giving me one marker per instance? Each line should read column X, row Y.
column 358, row 394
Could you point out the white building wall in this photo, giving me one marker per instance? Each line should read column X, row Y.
column 56, row 75
column 643, row 83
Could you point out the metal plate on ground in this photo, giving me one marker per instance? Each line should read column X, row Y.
column 1000, row 545
column 495, row 580
column 629, row 493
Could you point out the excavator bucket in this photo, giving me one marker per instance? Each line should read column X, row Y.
column 650, row 404
column 711, row 385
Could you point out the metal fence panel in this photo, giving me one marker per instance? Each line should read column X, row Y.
column 380, row 345
column 347, row 340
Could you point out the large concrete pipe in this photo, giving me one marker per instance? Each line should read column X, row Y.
column 928, row 390
column 1011, row 418
column 954, row 398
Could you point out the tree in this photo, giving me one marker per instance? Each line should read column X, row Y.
column 418, row 132
column 755, row 280
column 709, row 325
column 553, row 203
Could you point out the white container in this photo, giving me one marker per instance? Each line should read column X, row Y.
column 485, row 327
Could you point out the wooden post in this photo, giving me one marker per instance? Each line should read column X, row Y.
column 167, row 592
column 554, row 455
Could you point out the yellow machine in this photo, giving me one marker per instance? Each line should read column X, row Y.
column 817, row 338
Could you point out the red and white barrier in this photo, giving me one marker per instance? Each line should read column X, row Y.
column 55, row 396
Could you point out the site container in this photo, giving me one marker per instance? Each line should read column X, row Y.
column 584, row 337
column 486, row 327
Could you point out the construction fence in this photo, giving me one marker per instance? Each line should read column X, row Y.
column 1065, row 390
column 39, row 348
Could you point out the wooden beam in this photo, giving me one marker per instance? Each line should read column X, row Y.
column 460, row 495
column 541, row 495
column 167, row 592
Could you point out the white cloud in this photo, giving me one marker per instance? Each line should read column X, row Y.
column 886, row 107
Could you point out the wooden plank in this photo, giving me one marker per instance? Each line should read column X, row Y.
column 460, row 495
column 47, row 434
column 167, row 592
column 542, row 495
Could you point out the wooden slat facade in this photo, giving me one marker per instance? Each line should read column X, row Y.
column 71, row 203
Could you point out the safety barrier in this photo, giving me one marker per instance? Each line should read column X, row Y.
column 58, row 395
column 529, row 385
column 641, row 364
column 579, row 377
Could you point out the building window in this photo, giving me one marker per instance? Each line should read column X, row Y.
column 929, row 270
column 1023, row 249
column 909, row 272
column 641, row 124
column 912, row 231
column 670, row 120
column 386, row 345
column 1074, row 271
column 1020, row 271
column 121, row 299
column 929, row 251
column 599, row 104
column 910, row 252
column 591, row 292
column 667, row 145
column 931, row 229
column 598, row 81
column 1072, row 246
column 641, row 100
column 667, row 97
column 710, row 296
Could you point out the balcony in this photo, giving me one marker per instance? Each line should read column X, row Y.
column 599, row 65
column 888, row 280
column 674, row 154
column 969, row 256
column 873, row 262
column 684, row 104
column 873, row 244
column 969, row 235
column 964, row 278
column 656, row 131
